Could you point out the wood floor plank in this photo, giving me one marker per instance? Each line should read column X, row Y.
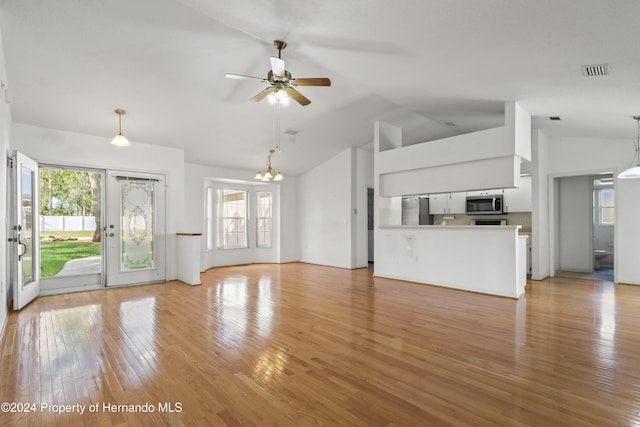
column 306, row 345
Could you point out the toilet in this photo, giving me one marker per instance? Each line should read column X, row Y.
column 598, row 255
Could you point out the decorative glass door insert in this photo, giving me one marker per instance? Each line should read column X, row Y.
column 137, row 214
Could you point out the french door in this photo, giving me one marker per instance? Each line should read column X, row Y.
column 24, row 234
column 133, row 241
column 135, row 229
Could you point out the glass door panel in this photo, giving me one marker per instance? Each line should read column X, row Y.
column 25, row 250
column 136, row 228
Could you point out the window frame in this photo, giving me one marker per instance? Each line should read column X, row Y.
column 601, row 207
column 260, row 217
column 221, row 218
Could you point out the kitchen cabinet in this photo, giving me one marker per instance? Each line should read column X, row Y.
column 457, row 203
column 518, row 199
column 447, row 203
column 437, row 204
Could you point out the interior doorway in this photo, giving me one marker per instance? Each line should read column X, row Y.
column 583, row 234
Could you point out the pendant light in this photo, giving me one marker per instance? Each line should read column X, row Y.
column 634, row 171
column 120, row 140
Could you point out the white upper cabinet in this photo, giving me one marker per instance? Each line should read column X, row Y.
column 457, row 203
column 518, row 199
column 447, row 203
column 438, row 204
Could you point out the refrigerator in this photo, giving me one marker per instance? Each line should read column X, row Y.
column 415, row 211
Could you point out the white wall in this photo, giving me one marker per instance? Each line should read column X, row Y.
column 5, row 132
column 199, row 177
column 73, row 149
column 327, row 211
column 575, row 225
column 627, row 233
column 540, row 207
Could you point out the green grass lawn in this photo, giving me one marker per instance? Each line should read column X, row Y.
column 53, row 255
column 85, row 233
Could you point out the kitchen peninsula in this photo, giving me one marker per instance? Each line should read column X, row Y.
column 484, row 259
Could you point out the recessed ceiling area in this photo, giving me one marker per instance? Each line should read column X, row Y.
column 435, row 67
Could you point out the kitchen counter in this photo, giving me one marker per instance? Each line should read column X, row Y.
column 485, row 259
column 500, row 227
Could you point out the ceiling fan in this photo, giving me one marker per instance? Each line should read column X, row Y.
column 281, row 83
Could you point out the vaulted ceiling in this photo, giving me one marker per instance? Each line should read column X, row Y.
column 434, row 67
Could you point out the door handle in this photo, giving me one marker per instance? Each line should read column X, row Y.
column 24, row 245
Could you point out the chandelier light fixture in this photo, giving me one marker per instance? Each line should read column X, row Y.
column 634, row 171
column 269, row 174
column 120, row 140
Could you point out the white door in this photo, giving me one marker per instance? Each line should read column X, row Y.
column 135, row 228
column 25, row 232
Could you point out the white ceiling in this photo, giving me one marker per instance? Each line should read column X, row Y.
column 415, row 63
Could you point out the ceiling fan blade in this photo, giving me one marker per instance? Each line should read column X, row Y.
column 277, row 66
column 313, row 81
column 241, row 77
column 300, row 98
column 260, row 96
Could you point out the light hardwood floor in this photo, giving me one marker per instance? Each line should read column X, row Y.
column 307, row 345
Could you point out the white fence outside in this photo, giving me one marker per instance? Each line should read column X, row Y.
column 67, row 223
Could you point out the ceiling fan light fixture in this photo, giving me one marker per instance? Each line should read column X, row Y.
column 279, row 96
column 634, row 171
column 120, row 140
column 282, row 85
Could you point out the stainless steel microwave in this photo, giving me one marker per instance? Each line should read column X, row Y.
column 485, row 205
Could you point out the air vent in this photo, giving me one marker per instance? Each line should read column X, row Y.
column 554, row 118
column 595, row 70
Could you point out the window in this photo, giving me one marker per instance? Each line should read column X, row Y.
column 264, row 219
column 232, row 219
column 606, row 206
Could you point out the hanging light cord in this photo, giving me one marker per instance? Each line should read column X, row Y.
column 636, row 143
column 278, row 126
